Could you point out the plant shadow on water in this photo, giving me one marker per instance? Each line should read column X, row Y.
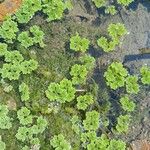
column 94, row 52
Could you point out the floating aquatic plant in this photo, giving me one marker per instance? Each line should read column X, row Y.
column 111, row 10
column 59, row 142
column 99, row 3
column 79, row 74
column 145, row 72
column 61, row 92
column 125, row 2
column 79, row 44
column 123, row 123
column 115, row 75
column 27, row 10
column 92, row 120
column 84, row 101
column 8, row 30
column 24, row 90
column 116, row 31
column 24, row 116
column 3, row 49
column 88, row 61
column 25, row 40
column 132, row 85
column 5, row 120
column 127, row 104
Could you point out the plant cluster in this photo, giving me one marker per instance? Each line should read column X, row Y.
column 88, row 134
column 79, row 44
column 27, row 10
column 115, row 75
column 8, row 30
column 123, row 122
column 111, row 10
column 109, row 7
column 24, row 116
column 59, row 142
column 54, row 9
column 99, row 3
column 61, row 92
column 145, row 73
column 124, row 2
column 88, row 61
column 79, row 74
column 127, row 104
column 35, row 36
column 13, row 71
column 131, row 84
column 84, row 101
column 76, row 124
column 116, row 31
column 3, row 49
column 5, row 120
column 29, row 132
column 24, row 90
column 116, row 144
column 28, row 66
column 15, row 64
column 92, row 121
column 6, row 86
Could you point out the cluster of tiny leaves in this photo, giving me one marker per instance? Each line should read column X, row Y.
column 61, row 92
column 38, row 35
column 15, row 64
column 35, row 36
column 99, row 3
column 127, row 104
column 145, row 72
column 92, row 142
column 12, row 71
column 115, row 75
column 88, row 61
column 24, row 116
column 123, row 123
column 5, row 120
column 111, row 10
column 107, row 45
column 117, row 145
column 132, row 86
column 124, row 2
column 92, row 121
column 26, row 133
column 79, row 44
column 8, row 30
column 116, row 31
column 76, row 124
column 88, row 137
column 3, row 49
column 79, row 74
column 54, row 9
column 59, row 143
column 27, row 10
column 24, row 90
column 84, row 101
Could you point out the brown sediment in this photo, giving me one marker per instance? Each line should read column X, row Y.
column 140, row 145
column 145, row 50
column 9, row 7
